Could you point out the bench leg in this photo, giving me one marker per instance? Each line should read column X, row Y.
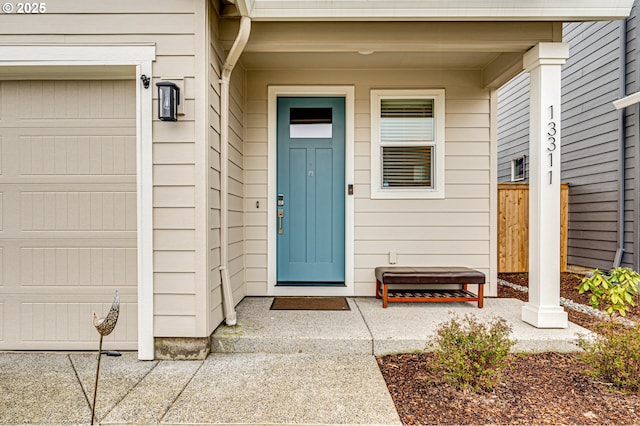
column 378, row 296
column 385, row 294
column 480, row 296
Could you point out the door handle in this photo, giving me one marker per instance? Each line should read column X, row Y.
column 280, row 216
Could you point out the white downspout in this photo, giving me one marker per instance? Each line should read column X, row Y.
column 229, row 63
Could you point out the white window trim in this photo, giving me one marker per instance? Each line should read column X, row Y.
column 513, row 169
column 377, row 192
column 141, row 57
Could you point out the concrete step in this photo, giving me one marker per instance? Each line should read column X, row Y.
column 260, row 330
column 369, row 329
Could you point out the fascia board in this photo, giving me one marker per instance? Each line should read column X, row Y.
column 436, row 10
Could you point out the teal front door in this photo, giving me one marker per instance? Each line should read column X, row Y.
column 311, row 191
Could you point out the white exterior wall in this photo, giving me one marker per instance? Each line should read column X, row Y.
column 454, row 231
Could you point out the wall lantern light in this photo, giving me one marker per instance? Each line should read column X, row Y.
column 168, row 100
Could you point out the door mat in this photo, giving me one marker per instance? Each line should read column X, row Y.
column 310, row 304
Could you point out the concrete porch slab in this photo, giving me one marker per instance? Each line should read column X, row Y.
column 313, row 332
column 370, row 329
column 407, row 327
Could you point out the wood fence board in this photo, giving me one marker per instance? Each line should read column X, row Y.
column 513, row 227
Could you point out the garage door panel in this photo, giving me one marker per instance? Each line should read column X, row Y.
column 84, row 267
column 78, row 155
column 67, row 212
column 62, row 99
column 78, row 211
column 42, row 323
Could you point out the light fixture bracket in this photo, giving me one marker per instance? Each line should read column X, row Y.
column 145, row 80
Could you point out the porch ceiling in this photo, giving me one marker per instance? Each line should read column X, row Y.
column 495, row 49
column 375, row 60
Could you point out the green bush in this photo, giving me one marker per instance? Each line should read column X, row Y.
column 471, row 354
column 615, row 358
column 615, row 292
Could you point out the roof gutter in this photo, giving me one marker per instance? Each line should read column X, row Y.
column 229, row 63
column 621, row 143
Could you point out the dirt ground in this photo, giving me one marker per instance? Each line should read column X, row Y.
column 547, row 388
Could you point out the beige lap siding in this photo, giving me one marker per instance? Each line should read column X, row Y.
column 452, row 231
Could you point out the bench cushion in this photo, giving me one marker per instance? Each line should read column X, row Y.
column 428, row 275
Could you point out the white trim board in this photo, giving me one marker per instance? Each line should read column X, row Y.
column 435, row 10
column 140, row 57
column 348, row 92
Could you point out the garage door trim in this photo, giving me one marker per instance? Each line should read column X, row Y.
column 141, row 57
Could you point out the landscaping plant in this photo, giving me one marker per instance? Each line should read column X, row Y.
column 472, row 354
column 615, row 292
column 615, row 358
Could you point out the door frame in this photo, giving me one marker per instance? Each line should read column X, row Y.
column 348, row 92
column 131, row 59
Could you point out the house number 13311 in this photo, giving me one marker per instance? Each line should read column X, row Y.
column 551, row 141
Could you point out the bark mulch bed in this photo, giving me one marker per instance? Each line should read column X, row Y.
column 548, row 388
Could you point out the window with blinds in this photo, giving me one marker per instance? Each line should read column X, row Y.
column 402, row 122
column 407, row 140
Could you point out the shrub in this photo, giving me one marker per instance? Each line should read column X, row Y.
column 613, row 293
column 615, row 358
column 470, row 354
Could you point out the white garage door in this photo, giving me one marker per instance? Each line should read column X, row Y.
column 68, row 212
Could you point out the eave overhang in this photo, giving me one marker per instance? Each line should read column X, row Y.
column 436, row 10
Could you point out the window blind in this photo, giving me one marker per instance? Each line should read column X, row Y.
column 406, row 120
column 407, row 167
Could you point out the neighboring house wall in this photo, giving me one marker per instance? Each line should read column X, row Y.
column 590, row 147
column 513, row 125
column 632, row 146
column 590, row 140
column 450, row 231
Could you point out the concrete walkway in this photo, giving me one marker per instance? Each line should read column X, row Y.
column 274, row 367
column 54, row 388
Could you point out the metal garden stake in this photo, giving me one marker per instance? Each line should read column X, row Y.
column 104, row 326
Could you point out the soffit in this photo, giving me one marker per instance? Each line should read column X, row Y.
column 494, row 48
column 393, row 36
column 376, row 60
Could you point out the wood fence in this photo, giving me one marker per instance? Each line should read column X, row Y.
column 513, row 227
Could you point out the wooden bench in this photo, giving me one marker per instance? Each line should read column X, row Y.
column 403, row 275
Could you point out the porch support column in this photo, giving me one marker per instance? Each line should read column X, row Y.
column 543, row 62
